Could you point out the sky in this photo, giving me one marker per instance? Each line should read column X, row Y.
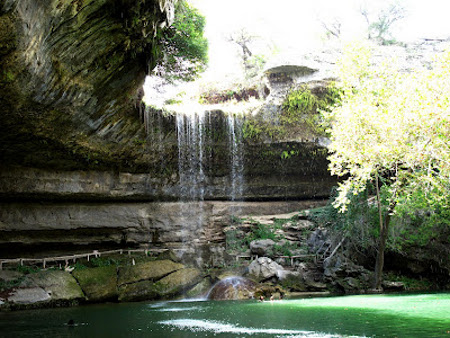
column 287, row 29
column 294, row 25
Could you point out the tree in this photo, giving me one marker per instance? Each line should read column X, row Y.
column 380, row 22
column 251, row 62
column 184, row 50
column 332, row 27
column 392, row 129
column 380, row 18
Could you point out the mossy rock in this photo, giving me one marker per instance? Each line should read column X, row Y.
column 170, row 255
column 294, row 283
column 167, row 287
column 178, row 281
column 10, row 279
column 99, row 284
column 61, row 285
column 138, row 291
column 200, row 290
column 152, row 270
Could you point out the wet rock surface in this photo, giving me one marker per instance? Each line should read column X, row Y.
column 98, row 284
column 232, row 288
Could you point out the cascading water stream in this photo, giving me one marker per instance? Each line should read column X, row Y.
column 205, row 140
column 190, row 131
column 236, row 147
column 192, row 179
column 153, row 123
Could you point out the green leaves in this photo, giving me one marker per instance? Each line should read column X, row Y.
column 391, row 122
column 184, row 51
column 301, row 106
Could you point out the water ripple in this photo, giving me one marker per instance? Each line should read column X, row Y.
column 219, row 327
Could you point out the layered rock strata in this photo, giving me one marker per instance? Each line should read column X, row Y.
column 79, row 164
column 49, row 229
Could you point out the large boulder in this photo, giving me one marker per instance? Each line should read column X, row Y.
column 200, row 290
column 169, row 286
column 98, row 284
column 60, row 285
column 262, row 247
column 178, row 282
column 232, row 288
column 153, row 270
column 46, row 287
column 29, row 296
column 138, row 291
column 265, row 268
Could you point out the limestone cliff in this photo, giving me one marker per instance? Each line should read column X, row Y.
column 77, row 161
column 70, row 76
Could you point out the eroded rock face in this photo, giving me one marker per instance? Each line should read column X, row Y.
column 73, row 227
column 70, row 76
column 70, row 132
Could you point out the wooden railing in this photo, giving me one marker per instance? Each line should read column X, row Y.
column 291, row 258
column 73, row 258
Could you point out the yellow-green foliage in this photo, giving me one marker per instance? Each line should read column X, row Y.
column 301, row 101
column 303, row 106
column 300, row 115
column 392, row 122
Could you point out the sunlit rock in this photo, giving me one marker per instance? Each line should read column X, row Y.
column 29, row 296
column 264, row 268
column 232, row 288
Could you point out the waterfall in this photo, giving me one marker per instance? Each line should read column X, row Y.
column 191, row 149
column 236, row 149
column 154, row 127
column 210, row 164
column 192, row 131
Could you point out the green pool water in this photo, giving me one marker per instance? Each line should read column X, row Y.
column 421, row 315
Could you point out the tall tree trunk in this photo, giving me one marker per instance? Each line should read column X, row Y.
column 379, row 264
column 384, row 231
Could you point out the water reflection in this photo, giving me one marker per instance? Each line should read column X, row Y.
column 352, row 316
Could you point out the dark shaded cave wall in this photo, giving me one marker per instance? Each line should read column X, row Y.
column 70, row 76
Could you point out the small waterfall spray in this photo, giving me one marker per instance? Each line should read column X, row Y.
column 232, row 288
